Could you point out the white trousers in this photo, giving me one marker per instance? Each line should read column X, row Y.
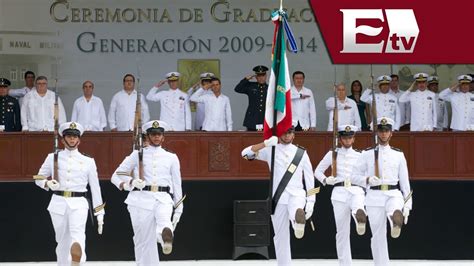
column 69, row 228
column 342, row 215
column 284, row 213
column 378, row 225
column 147, row 227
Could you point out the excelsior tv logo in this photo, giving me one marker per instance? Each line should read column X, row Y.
column 402, row 30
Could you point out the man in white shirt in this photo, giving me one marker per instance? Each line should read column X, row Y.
column 37, row 111
column 348, row 113
column 204, row 83
column 462, row 104
column 89, row 110
column 175, row 109
column 29, row 86
column 123, row 106
column 218, row 115
column 422, row 103
column 441, row 106
column 404, row 107
column 302, row 104
column 387, row 104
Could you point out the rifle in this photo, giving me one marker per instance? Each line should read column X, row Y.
column 137, row 128
column 374, row 125
column 56, row 126
column 335, row 119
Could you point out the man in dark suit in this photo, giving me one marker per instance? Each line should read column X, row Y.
column 257, row 94
column 9, row 109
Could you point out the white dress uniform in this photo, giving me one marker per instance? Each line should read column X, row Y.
column 423, row 107
column 19, row 94
column 218, row 116
column 69, row 212
column 37, row 112
column 294, row 196
column 348, row 116
column 441, row 113
column 303, row 110
column 383, row 200
column 175, row 108
column 387, row 103
column 90, row 114
column 462, row 105
column 151, row 210
column 122, row 110
column 405, row 111
column 200, row 109
column 346, row 197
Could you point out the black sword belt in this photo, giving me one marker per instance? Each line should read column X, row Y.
column 385, row 187
column 341, row 184
column 70, row 194
column 154, row 189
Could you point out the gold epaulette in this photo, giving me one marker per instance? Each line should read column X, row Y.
column 313, row 191
column 39, row 177
column 99, row 208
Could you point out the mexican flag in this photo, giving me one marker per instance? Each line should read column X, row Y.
column 279, row 93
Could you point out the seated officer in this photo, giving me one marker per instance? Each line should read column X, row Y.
column 9, row 109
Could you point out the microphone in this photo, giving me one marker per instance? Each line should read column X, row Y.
column 184, row 108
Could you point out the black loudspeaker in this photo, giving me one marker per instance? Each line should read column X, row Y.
column 251, row 227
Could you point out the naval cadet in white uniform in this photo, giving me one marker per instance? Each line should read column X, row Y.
column 175, row 109
column 69, row 207
column 155, row 198
column 291, row 202
column 388, row 192
column 203, row 84
column 347, row 198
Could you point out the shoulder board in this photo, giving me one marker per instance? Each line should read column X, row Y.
column 85, row 154
column 301, row 147
column 369, row 148
column 359, row 151
column 168, row 151
column 396, row 149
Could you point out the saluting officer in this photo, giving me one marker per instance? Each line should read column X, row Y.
column 257, row 94
column 422, row 103
column 203, row 84
column 347, row 198
column 291, row 202
column 68, row 207
column 155, row 198
column 175, row 108
column 441, row 107
column 387, row 103
column 388, row 194
column 9, row 109
column 462, row 104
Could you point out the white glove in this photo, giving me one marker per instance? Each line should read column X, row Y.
column 100, row 223
column 175, row 220
column 53, row 184
column 271, row 141
column 308, row 209
column 374, row 181
column 138, row 183
column 406, row 212
column 330, row 180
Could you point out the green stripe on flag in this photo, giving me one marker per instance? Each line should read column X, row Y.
column 280, row 97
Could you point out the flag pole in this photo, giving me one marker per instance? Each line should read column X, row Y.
column 276, row 56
